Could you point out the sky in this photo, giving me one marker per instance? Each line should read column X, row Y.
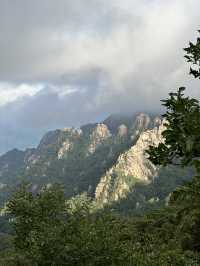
column 66, row 63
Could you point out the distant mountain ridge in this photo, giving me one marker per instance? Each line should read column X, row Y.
column 84, row 159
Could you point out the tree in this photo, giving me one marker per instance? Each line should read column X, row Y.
column 182, row 146
column 39, row 224
column 51, row 231
column 182, row 133
column 193, row 57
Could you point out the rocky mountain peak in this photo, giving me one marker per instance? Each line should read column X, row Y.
column 131, row 167
column 101, row 159
column 99, row 135
column 67, row 145
column 141, row 123
column 122, row 131
column 72, row 131
column 157, row 121
column 71, row 135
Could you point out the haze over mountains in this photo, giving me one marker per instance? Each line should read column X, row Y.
column 99, row 56
column 106, row 160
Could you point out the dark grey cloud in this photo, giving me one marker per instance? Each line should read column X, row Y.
column 65, row 63
column 35, row 34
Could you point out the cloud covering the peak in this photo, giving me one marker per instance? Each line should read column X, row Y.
column 66, row 63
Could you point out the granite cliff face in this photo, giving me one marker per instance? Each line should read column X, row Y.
column 106, row 160
column 98, row 137
column 76, row 157
column 142, row 123
column 122, row 131
column 132, row 166
column 72, row 135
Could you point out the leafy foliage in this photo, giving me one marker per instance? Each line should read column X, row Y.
column 182, row 133
column 193, row 57
column 182, row 144
column 49, row 231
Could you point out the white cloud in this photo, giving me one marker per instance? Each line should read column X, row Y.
column 63, row 90
column 11, row 93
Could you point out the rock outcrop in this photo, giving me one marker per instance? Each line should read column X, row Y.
column 141, row 123
column 81, row 158
column 122, row 131
column 67, row 145
column 132, row 166
column 99, row 135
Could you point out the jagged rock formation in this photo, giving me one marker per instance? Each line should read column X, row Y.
column 106, row 158
column 132, row 166
column 142, row 122
column 99, row 135
column 122, row 131
column 76, row 157
column 68, row 144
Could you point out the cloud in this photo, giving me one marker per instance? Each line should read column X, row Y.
column 10, row 93
column 71, row 62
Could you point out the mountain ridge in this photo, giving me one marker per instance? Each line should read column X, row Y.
column 81, row 157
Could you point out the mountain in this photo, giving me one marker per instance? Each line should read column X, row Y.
column 107, row 160
column 133, row 184
column 132, row 167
